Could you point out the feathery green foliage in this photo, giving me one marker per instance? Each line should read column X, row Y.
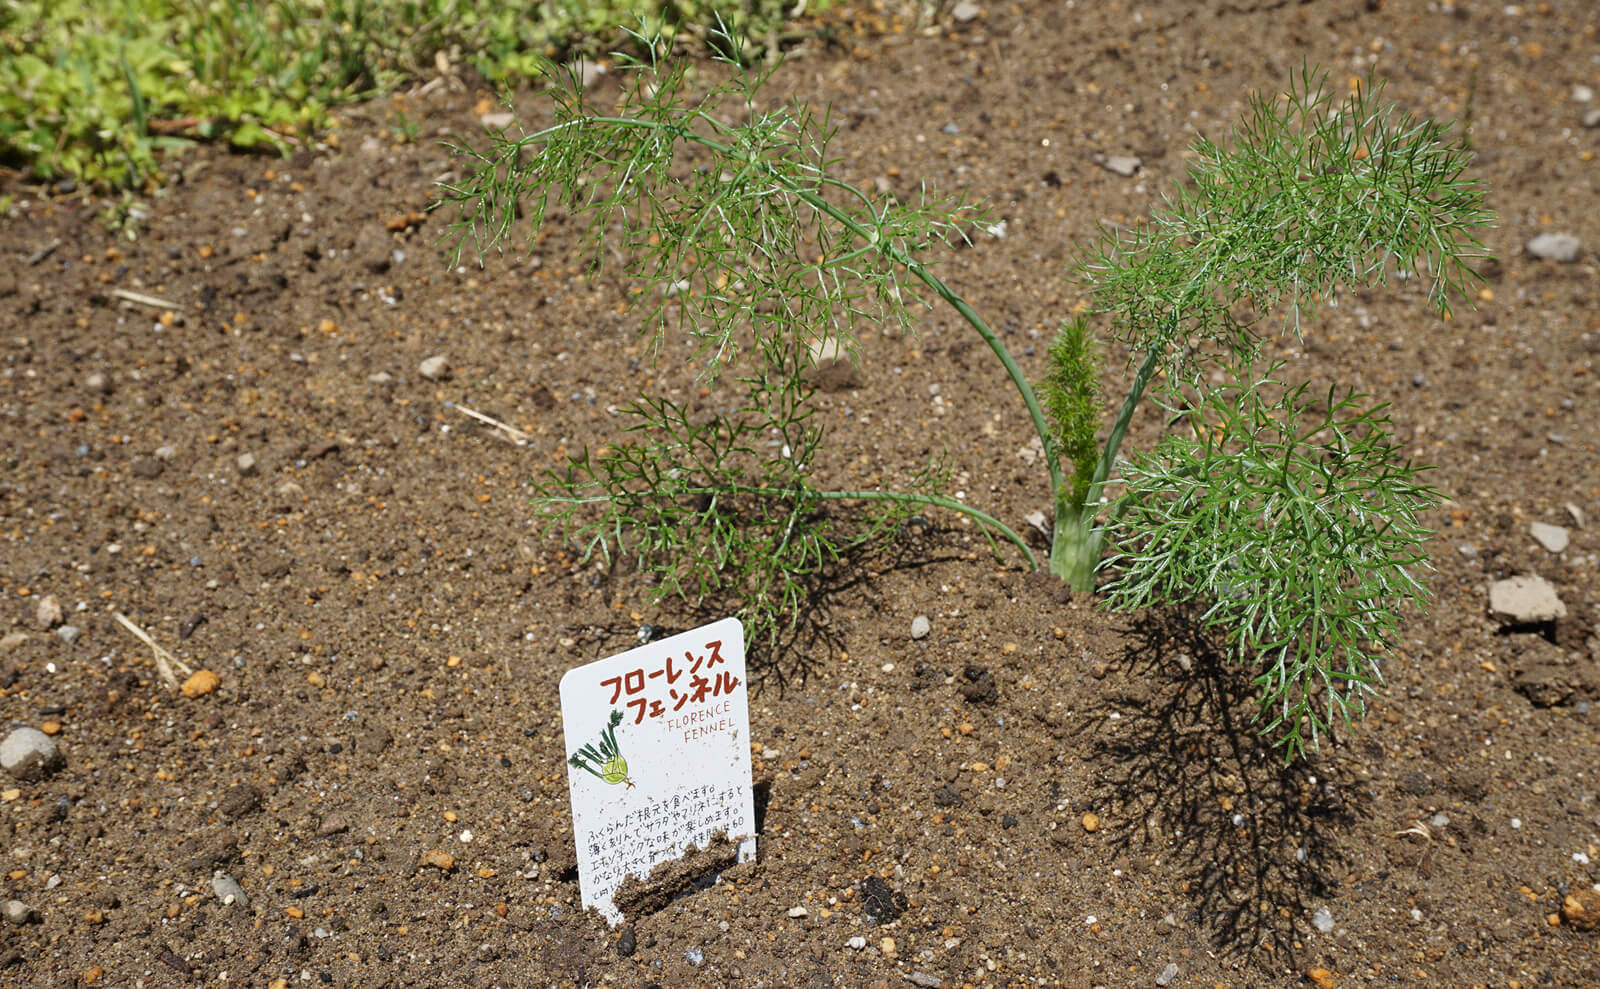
column 100, row 91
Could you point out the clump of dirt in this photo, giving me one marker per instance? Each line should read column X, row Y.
column 697, row 869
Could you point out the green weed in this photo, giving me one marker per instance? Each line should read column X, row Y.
column 100, row 91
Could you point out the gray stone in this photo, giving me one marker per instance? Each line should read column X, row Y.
column 1592, row 118
column 19, row 913
column 246, row 462
column 920, row 627
column 1322, row 920
column 1553, row 538
column 68, row 633
column 434, row 368
column 1167, row 974
column 1523, row 599
column 965, row 11
column 1124, row 165
column 29, row 754
column 925, row 980
column 1562, row 248
column 229, row 891
column 48, row 613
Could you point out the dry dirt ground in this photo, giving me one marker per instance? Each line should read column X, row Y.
column 389, row 627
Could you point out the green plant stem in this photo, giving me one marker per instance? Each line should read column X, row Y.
column 988, row 521
column 910, row 264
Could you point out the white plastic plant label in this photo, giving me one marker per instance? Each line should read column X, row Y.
column 658, row 756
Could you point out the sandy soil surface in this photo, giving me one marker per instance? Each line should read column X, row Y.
column 1035, row 793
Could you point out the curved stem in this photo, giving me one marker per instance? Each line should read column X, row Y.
column 943, row 501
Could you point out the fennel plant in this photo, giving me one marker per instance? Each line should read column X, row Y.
column 1289, row 516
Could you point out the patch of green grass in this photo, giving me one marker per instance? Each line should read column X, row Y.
column 98, row 90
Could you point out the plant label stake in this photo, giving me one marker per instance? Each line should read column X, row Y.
column 658, row 756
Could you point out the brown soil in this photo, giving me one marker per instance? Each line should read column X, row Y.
column 389, row 627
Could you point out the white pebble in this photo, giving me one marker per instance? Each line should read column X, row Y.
column 1322, row 920
column 29, row 753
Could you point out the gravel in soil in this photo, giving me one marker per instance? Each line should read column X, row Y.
column 268, row 473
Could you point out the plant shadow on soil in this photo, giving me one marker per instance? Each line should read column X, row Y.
column 1189, row 770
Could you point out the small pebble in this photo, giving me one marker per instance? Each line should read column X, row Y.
column 798, row 912
column 228, row 890
column 68, row 633
column 920, row 627
column 1322, row 920
column 925, row 980
column 1561, row 248
column 48, row 612
column 1124, row 165
column 694, row 956
column 965, row 11
column 98, row 381
column 1167, row 974
column 1581, row 909
column 29, row 753
column 1524, row 599
column 18, row 913
column 200, row 683
column 434, row 368
column 1090, row 822
column 858, row 942
column 627, row 943
column 1553, row 538
column 246, row 462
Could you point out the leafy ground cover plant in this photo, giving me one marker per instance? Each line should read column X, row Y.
column 1287, row 514
column 99, row 91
